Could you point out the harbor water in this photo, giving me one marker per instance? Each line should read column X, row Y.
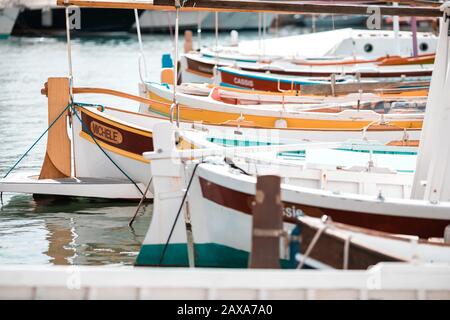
column 68, row 231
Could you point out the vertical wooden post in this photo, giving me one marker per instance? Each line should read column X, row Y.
column 57, row 162
column 267, row 224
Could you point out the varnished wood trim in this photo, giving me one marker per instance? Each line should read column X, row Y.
column 57, row 161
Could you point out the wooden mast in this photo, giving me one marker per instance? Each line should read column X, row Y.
column 257, row 6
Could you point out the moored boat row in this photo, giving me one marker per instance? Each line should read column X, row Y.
column 333, row 161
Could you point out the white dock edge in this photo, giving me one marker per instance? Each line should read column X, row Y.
column 383, row 281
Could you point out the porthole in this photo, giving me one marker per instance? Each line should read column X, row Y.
column 368, row 47
column 423, row 46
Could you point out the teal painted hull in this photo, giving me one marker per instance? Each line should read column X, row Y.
column 4, row 36
column 208, row 255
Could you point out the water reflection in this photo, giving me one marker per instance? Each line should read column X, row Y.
column 62, row 231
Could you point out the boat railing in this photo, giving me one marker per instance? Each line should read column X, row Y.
column 116, row 93
column 232, row 151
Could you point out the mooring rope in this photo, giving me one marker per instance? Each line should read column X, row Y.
column 178, row 214
column 130, row 223
column 313, row 242
column 34, row 144
column 71, row 107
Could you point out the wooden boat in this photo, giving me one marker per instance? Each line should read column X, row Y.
column 94, row 170
column 112, row 166
column 392, row 96
column 215, row 200
column 233, row 77
column 333, row 48
column 197, row 67
column 289, row 122
column 221, row 196
column 107, row 148
column 103, row 157
column 348, row 42
column 123, row 140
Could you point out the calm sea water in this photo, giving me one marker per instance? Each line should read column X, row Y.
column 67, row 231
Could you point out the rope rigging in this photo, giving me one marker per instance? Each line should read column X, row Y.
column 71, row 107
column 98, row 145
column 31, row 147
column 35, row 142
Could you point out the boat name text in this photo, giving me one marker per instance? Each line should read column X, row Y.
column 243, row 82
column 292, row 212
column 205, row 69
column 109, row 134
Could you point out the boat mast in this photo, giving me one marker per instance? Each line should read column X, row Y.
column 175, row 63
column 141, row 48
column 216, row 50
column 264, row 35
column 259, row 35
column 69, row 60
column 414, row 36
column 432, row 175
column 396, row 27
column 69, row 53
column 199, row 29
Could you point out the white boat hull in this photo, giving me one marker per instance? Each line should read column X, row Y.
column 341, row 42
column 210, row 108
column 219, row 209
column 8, row 18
